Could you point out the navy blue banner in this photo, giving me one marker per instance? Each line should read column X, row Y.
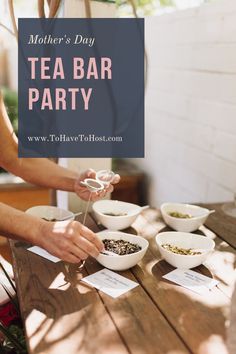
column 81, row 87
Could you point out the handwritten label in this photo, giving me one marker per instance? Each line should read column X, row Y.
column 191, row 280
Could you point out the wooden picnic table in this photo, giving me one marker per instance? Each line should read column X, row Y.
column 63, row 315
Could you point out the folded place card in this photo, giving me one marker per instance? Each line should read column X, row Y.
column 191, row 280
column 43, row 253
column 110, row 282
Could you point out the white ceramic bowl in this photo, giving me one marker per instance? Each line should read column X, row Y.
column 50, row 212
column 184, row 240
column 122, row 262
column 114, row 206
column 199, row 216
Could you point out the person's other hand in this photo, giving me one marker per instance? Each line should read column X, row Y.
column 84, row 193
column 69, row 240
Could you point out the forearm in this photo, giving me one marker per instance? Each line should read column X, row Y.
column 44, row 172
column 18, row 225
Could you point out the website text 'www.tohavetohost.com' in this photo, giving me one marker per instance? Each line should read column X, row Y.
column 64, row 138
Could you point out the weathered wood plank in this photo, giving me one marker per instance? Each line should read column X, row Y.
column 222, row 224
column 139, row 322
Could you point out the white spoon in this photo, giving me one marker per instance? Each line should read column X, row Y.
column 141, row 209
column 109, row 253
column 69, row 217
column 211, row 212
column 145, row 207
column 66, row 218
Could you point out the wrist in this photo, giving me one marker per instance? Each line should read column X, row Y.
column 71, row 183
column 40, row 233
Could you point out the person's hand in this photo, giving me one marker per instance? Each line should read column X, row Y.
column 69, row 240
column 84, row 193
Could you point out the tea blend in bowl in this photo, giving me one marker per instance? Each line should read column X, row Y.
column 121, row 247
column 52, row 220
column 115, row 214
column 182, row 251
column 176, row 214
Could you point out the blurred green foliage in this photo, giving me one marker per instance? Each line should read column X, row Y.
column 11, row 102
column 143, row 7
column 166, row 3
column 143, row 2
column 14, row 342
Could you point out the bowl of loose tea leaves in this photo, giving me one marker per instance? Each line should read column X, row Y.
column 184, row 217
column 50, row 213
column 121, row 250
column 115, row 214
column 184, row 250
